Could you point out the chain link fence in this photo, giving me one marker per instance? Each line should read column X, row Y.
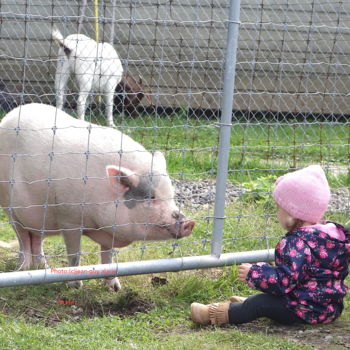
column 290, row 107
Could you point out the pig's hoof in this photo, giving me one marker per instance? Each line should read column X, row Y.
column 113, row 284
column 75, row 284
column 40, row 265
column 23, row 265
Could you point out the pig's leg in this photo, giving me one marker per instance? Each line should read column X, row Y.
column 107, row 242
column 36, row 242
column 112, row 283
column 25, row 249
column 72, row 240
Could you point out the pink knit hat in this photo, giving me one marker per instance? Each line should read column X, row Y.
column 304, row 194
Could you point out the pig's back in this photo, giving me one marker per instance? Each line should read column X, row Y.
column 39, row 127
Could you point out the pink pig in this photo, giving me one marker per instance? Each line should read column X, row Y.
column 63, row 175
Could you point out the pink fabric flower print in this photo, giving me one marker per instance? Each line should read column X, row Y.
column 295, row 276
column 323, row 253
column 337, row 286
column 263, row 285
column 272, row 279
column 312, row 244
column 312, row 285
column 293, row 253
column 300, row 244
column 330, row 244
column 282, row 244
column 285, row 281
column 300, row 313
column 336, row 263
column 322, row 317
column 255, row 274
column 330, row 308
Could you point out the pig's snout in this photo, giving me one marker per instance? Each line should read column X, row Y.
column 187, row 228
column 184, row 226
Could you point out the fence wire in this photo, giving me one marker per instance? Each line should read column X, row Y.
column 290, row 106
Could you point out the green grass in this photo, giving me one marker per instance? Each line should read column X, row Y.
column 144, row 315
column 29, row 315
column 256, row 149
column 148, row 316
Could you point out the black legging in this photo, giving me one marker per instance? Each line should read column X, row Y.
column 262, row 305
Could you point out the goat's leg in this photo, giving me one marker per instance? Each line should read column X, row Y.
column 61, row 80
column 82, row 100
column 109, row 107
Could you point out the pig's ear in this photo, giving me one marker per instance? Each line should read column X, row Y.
column 120, row 176
column 159, row 161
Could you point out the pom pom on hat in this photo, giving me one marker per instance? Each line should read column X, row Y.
column 304, row 194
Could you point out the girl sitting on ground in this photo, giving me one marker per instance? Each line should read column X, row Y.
column 307, row 283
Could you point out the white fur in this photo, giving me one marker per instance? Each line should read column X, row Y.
column 96, row 66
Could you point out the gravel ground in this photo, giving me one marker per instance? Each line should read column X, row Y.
column 195, row 194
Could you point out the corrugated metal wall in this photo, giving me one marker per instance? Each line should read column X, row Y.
column 293, row 55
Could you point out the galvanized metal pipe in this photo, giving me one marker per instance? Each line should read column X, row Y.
column 225, row 126
column 20, row 278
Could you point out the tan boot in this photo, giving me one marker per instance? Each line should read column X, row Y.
column 237, row 299
column 215, row 314
column 200, row 313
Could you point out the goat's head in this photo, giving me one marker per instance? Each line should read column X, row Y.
column 129, row 93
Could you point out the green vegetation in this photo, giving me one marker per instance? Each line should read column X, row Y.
column 151, row 315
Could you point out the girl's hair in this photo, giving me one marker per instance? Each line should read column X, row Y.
column 294, row 224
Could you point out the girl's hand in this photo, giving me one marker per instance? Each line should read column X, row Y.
column 243, row 270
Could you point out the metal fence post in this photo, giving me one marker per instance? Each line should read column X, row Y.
column 225, row 126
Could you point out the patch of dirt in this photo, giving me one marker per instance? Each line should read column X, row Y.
column 127, row 305
column 322, row 337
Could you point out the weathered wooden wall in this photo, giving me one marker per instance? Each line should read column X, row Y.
column 293, row 55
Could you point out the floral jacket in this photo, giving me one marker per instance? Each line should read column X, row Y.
column 311, row 266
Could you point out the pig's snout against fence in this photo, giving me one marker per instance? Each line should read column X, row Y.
column 184, row 226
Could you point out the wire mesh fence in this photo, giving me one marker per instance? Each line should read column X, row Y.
column 290, row 108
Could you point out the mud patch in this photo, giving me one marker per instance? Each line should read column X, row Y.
column 130, row 304
column 51, row 313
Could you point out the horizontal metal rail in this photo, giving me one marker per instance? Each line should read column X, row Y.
column 51, row 275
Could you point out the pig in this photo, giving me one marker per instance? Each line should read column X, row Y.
column 62, row 175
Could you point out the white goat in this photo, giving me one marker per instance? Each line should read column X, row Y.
column 96, row 66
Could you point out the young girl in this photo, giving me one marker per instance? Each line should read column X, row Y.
column 307, row 283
